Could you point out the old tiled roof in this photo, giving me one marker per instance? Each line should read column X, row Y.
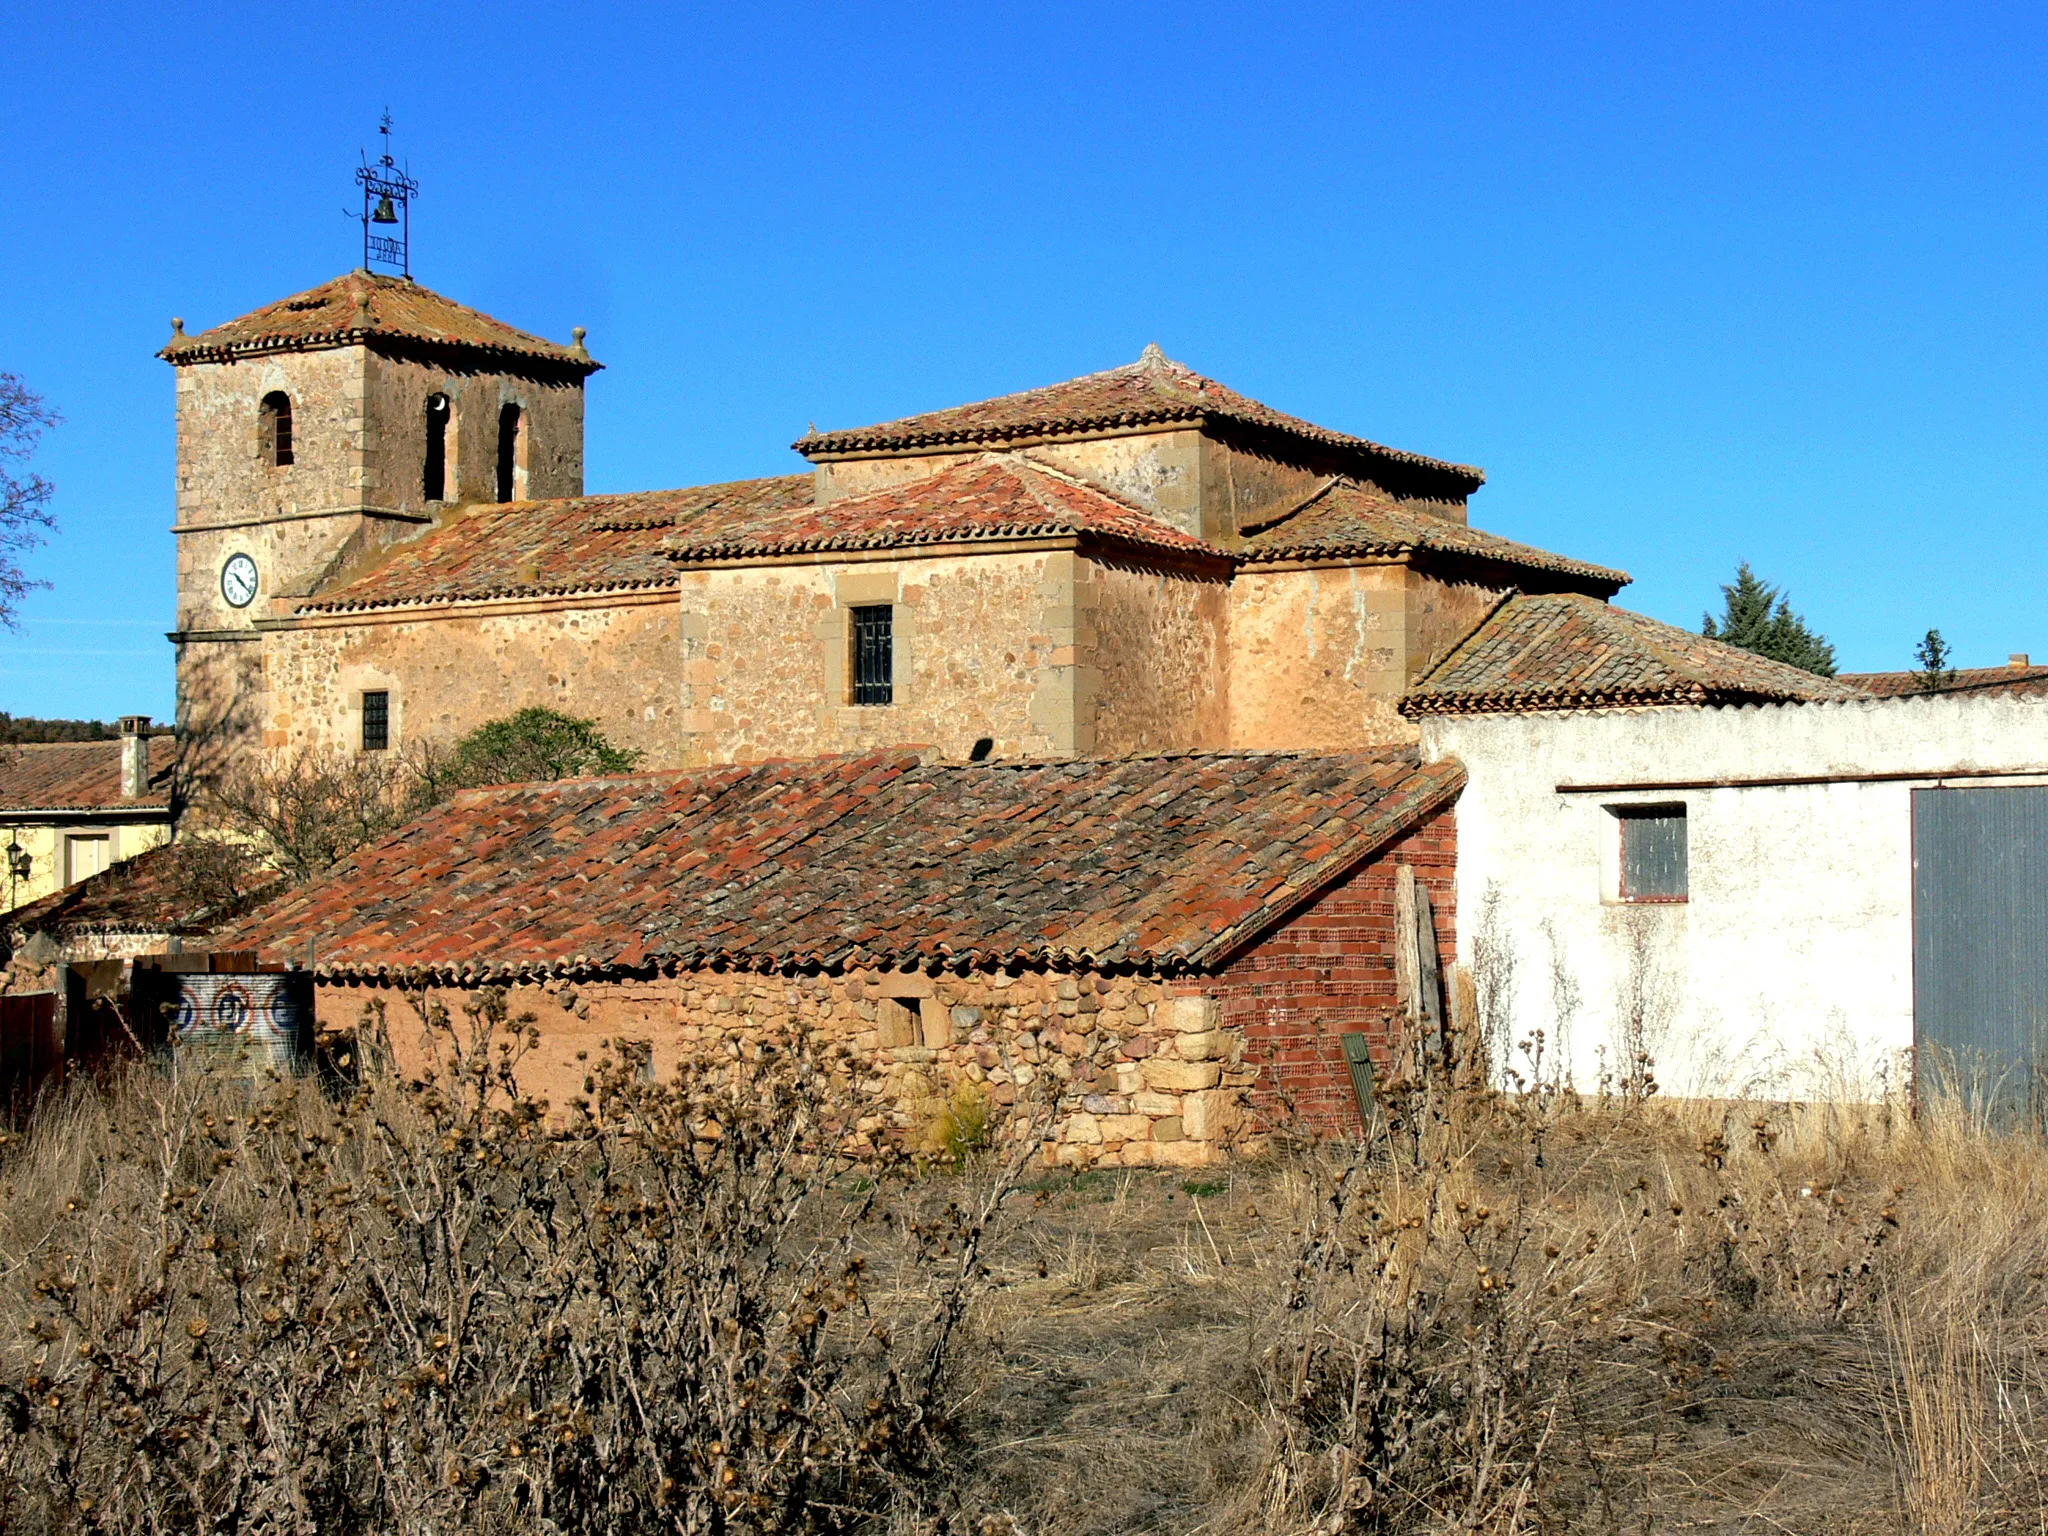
column 2007, row 679
column 363, row 306
column 1569, row 651
column 1169, row 862
column 79, row 775
column 1348, row 520
column 154, row 892
column 991, row 496
column 1155, row 390
column 583, row 544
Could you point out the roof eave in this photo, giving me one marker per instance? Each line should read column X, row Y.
column 1538, row 702
column 198, row 350
column 1225, row 946
column 836, row 447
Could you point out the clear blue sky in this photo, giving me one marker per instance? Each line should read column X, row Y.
column 1694, row 284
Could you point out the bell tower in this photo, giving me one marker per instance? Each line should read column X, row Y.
column 317, row 430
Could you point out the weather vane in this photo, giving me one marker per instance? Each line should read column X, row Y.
column 387, row 208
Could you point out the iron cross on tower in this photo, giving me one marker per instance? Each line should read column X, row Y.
column 387, row 209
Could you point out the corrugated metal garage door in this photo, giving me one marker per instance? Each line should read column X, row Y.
column 1980, row 944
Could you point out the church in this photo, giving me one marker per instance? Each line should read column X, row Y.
column 1126, row 735
column 383, row 538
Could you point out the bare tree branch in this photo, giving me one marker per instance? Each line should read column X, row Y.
column 25, row 518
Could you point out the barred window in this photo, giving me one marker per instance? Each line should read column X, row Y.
column 376, row 721
column 874, row 655
column 276, row 411
column 1653, row 853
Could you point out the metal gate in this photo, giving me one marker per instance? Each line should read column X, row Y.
column 1980, row 947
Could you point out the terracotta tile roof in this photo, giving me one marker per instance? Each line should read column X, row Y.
column 1168, row 862
column 1155, row 390
column 1349, row 520
column 79, row 775
column 364, row 306
column 993, row 496
column 2006, row 679
column 149, row 893
column 552, row 548
column 1568, row 651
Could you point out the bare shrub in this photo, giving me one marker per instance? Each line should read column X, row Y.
column 309, row 808
column 438, row 1305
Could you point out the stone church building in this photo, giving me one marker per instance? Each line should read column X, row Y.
column 1089, row 736
column 383, row 537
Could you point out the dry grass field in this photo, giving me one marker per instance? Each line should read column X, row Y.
column 423, row 1306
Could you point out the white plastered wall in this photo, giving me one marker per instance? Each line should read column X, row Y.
column 1790, row 967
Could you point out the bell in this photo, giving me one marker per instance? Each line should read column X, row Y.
column 385, row 213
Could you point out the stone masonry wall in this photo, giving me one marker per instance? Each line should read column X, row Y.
column 1329, row 971
column 985, row 646
column 550, row 458
column 1317, row 657
column 1160, row 682
column 1137, row 1075
column 611, row 660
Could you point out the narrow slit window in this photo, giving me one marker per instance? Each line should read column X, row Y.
column 874, row 655
column 509, row 420
column 277, row 428
column 1654, row 855
column 435, row 482
column 376, row 721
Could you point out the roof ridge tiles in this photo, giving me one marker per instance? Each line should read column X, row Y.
column 362, row 307
column 1154, row 390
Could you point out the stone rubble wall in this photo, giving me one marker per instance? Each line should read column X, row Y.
column 1138, row 1073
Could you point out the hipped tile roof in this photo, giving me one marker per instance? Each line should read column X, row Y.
column 599, row 544
column 1568, row 651
column 150, row 893
column 1155, row 390
column 1170, row 863
column 80, row 775
column 362, row 306
column 992, row 496
column 2007, row 679
column 1345, row 519
column 584, row 544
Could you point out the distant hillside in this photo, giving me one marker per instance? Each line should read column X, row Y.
column 19, row 728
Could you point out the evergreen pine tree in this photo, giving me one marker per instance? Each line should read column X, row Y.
column 1935, row 673
column 1758, row 617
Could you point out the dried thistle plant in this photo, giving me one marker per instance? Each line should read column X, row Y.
column 436, row 1304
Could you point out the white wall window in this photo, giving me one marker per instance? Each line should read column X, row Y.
column 86, row 855
column 1655, row 864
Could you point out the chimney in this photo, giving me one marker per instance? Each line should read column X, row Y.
column 2017, row 659
column 134, row 756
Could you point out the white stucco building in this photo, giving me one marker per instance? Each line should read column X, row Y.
column 1729, row 886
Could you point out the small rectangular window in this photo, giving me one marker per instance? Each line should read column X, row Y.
column 85, row 856
column 874, row 655
column 376, row 722
column 1653, row 853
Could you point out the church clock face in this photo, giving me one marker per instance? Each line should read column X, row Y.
column 238, row 581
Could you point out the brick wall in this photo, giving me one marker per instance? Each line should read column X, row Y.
column 1329, row 971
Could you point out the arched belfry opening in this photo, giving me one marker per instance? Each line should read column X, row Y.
column 275, row 417
column 511, row 453
column 434, row 482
